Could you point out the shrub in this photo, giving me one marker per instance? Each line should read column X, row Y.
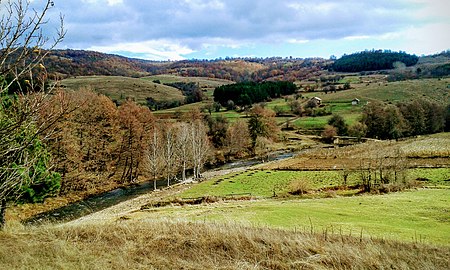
column 299, row 187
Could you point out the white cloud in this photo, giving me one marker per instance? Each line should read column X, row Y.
column 212, row 25
column 356, row 37
column 201, row 4
column 427, row 39
column 101, row 2
column 115, row 2
column 297, row 41
column 151, row 49
column 432, row 9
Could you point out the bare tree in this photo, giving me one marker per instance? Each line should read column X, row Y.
column 168, row 153
column 238, row 138
column 154, row 158
column 200, row 146
column 183, row 147
column 22, row 52
column 24, row 45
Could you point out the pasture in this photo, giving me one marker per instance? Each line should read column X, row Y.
column 411, row 216
column 120, row 88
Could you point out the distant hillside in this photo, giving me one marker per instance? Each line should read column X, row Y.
column 69, row 63
column 66, row 63
column 373, row 60
column 120, row 88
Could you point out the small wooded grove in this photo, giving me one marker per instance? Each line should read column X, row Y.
column 373, row 60
column 393, row 121
column 248, row 93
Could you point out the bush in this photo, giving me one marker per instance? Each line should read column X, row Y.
column 329, row 133
column 299, row 187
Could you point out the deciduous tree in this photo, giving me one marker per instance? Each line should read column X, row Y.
column 238, row 138
column 154, row 157
column 24, row 162
column 136, row 123
column 200, row 146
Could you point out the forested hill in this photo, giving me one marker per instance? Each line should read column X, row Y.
column 373, row 60
column 69, row 63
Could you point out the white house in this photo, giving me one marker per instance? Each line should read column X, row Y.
column 355, row 101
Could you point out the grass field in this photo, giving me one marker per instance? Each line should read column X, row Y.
column 421, row 215
column 206, row 84
column 430, row 151
column 433, row 89
column 267, row 183
column 261, row 183
column 120, row 88
column 202, row 81
column 165, row 244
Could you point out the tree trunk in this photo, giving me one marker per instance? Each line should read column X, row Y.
column 184, row 171
column 168, row 179
column 2, row 214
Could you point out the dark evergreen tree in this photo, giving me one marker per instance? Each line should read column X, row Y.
column 373, row 60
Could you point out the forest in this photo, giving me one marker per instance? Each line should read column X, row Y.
column 373, row 60
column 389, row 121
column 248, row 93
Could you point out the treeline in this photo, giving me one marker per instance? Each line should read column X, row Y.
column 190, row 90
column 394, row 121
column 372, row 60
column 249, row 69
column 248, row 93
column 98, row 145
column 66, row 63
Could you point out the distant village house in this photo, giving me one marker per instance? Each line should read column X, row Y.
column 355, row 101
column 316, row 100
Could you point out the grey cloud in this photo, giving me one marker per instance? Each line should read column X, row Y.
column 90, row 23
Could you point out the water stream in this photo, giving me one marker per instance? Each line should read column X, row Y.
column 116, row 196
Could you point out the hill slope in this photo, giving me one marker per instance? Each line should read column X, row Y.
column 120, row 88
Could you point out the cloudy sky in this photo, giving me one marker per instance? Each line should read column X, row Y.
column 208, row 29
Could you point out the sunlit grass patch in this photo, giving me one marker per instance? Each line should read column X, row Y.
column 421, row 215
column 264, row 183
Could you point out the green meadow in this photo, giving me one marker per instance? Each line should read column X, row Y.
column 417, row 216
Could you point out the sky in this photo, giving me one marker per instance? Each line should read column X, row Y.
column 210, row 29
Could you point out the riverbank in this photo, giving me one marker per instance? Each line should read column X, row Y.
column 63, row 209
column 115, row 212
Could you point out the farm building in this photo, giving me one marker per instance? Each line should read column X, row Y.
column 355, row 101
column 316, row 100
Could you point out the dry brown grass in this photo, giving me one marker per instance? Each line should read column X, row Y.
column 299, row 187
column 424, row 151
column 185, row 245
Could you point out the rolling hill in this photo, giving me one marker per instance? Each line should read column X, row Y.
column 120, row 88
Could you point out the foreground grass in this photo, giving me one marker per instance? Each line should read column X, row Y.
column 187, row 245
column 409, row 216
